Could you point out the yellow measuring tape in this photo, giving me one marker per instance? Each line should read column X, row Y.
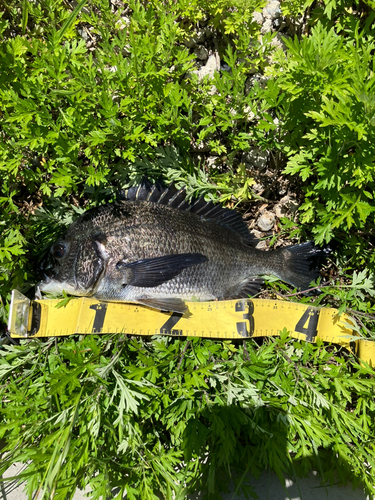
column 228, row 319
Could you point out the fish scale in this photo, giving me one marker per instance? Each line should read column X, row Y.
column 159, row 254
column 164, row 232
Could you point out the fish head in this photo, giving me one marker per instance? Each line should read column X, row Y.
column 74, row 265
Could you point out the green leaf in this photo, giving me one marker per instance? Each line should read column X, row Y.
column 70, row 20
column 25, row 15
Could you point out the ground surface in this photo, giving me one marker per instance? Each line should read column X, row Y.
column 267, row 487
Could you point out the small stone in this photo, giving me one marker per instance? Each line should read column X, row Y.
column 213, row 90
column 278, row 24
column 257, row 234
column 250, row 116
column 199, row 37
column 258, row 18
column 211, row 161
column 225, row 67
column 278, row 42
column 280, row 211
column 256, row 158
column 266, row 26
column 286, row 207
column 83, row 33
column 272, row 10
column 262, row 245
column 213, row 63
column 266, row 221
column 209, row 68
column 201, row 53
column 122, row 23
column 257, row 188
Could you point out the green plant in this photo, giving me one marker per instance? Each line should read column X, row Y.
column 120, row 412
column 350, row 292
column 328, row 121
column 228, row 17
column 93, row 99
column 88, row 96
column 338, row 11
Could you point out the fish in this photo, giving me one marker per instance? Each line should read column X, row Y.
column 156, row 249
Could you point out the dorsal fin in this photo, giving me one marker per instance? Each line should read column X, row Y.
column 171, row 197
column 178, row 198
column 140, row 192
column 167, row 195
column 154, row 194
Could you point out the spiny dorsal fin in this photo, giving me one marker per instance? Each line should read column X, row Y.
column 171, row 197
column 167, row 195
column 178, row 198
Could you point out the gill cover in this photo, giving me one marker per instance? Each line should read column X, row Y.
column 90, row 264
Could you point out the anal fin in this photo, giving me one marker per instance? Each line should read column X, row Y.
column 251, row 287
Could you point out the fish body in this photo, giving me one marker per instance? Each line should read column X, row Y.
column 158, row 250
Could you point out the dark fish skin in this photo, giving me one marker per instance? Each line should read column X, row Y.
column 160, row 255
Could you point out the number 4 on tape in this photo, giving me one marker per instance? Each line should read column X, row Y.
column 308, row 324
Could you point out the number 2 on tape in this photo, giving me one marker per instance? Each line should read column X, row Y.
column 167, row 328
column 248, row 306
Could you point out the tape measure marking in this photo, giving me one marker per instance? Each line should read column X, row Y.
column 168, row 327
column 308, row 323
column 100, row 313
column 242, row 318
column 245, row 318
column 230, row 319
column 241, row 306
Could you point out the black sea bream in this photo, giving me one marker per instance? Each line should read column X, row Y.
column 156, row 249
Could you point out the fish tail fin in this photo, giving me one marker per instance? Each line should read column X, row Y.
column 301, row 264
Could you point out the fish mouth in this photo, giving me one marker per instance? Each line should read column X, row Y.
column 53, row 286
column 50, row 284
column 46, row 279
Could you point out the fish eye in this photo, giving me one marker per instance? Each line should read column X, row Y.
column 59, row 250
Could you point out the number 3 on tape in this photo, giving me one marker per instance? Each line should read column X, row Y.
column 248, row 306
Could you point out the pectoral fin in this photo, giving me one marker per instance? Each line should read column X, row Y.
column 153, row 272
column 164, row 304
